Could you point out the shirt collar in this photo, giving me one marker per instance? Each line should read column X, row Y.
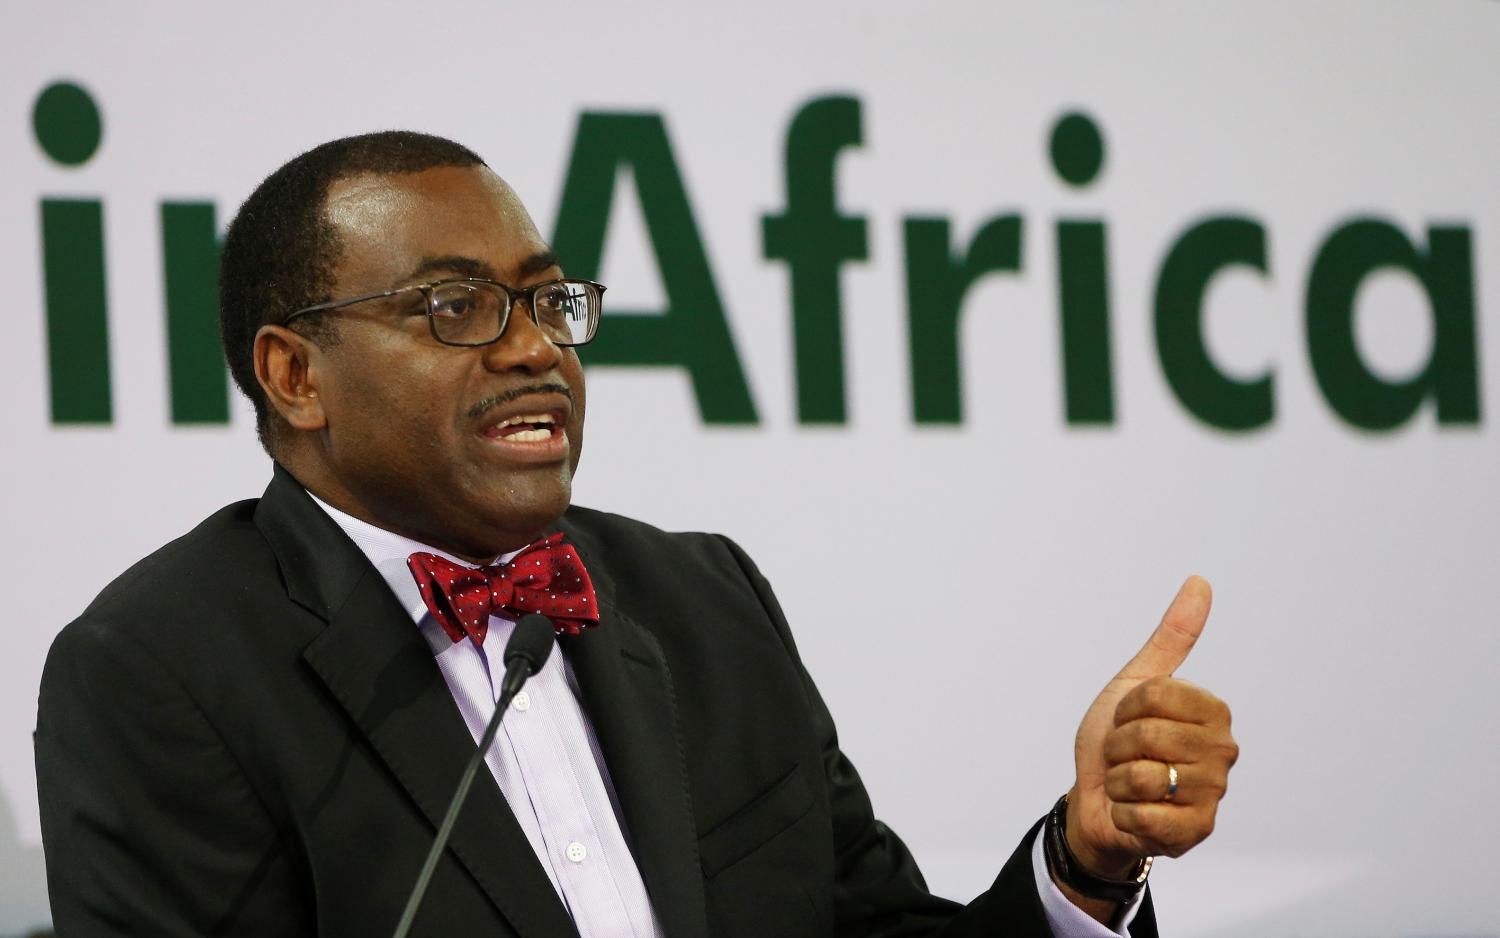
column 387, row 552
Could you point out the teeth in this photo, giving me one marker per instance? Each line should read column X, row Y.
column 525, row 418
column 530, row 436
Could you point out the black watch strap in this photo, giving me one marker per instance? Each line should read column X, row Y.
column 1062, row 864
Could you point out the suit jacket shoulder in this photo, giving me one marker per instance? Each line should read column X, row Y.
column 215, row 559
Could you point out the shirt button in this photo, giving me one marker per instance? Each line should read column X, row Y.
column 521, row 701
column 576, row 852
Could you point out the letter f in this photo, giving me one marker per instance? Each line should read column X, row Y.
column 814, row 239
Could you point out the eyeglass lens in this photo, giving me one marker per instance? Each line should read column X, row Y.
column 470, row 313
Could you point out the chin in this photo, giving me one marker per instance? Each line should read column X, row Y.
column 532, row 510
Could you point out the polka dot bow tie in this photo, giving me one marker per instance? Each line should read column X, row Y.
column 546, row 577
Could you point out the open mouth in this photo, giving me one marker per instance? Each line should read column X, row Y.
column 525, row 428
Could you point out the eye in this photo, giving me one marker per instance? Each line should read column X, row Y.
column 562, row 301
column 453, row 307
column 552, row 303
column 458, row 301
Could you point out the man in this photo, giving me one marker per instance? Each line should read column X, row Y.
column 255, row 730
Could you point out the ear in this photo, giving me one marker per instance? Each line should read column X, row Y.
column 287, row 367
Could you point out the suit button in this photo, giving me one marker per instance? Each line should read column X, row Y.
column 576, row 852
column 521, row 701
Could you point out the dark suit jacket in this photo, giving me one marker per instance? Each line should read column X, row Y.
column 245, row 735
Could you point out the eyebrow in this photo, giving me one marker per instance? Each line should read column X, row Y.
column 474, row 267
column 451, row 264
column 536, row 263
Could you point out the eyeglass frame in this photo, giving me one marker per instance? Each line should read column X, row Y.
column 512, row 296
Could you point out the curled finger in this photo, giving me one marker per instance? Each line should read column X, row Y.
column 1168, row 830
column 1161, row 740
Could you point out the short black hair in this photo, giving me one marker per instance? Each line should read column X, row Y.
column 280, row 250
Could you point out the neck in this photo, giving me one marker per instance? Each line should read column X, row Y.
column 327, row 488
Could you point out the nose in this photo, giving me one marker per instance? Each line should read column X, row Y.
column 522, row 346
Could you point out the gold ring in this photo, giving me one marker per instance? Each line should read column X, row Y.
column 1171, row 782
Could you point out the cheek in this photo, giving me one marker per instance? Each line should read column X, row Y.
column 572, row 372
column 379, row 394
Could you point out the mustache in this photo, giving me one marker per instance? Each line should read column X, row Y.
column 505, row 397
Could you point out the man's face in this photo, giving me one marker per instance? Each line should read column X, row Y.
column 413, row 440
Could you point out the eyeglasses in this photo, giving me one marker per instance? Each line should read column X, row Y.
column 472, row 312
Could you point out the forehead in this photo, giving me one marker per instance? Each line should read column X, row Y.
column 389, row 224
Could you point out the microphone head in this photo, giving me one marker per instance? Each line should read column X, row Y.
column 532, row 641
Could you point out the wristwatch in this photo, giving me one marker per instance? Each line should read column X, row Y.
column 1063, row 865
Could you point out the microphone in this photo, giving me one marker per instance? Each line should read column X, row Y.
column 529, row 646
column 528, row 649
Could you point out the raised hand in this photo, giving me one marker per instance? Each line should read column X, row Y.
column 1144, row 725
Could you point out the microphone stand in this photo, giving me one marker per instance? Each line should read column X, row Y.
column 520, row 664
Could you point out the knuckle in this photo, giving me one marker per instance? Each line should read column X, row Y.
column 1218, row 786
column 1185, row 835
column 1144, row 732
column 1124, row 816
column 1152, row 694
column 1116, row 743
column 1154, row 735
column 1140, row 777
column 1128, row 740
column 1161, row 838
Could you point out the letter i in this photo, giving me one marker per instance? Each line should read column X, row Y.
column 67, row 126
column 1083, row 280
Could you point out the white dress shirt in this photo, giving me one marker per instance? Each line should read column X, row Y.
column 548, row 764
column 545, row 758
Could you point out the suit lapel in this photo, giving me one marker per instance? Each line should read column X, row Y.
column 381, row 672
column 628, row 696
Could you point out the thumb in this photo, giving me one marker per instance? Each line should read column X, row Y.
column 1169, row 645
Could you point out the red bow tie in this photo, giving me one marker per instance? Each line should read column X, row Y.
column 546, row 577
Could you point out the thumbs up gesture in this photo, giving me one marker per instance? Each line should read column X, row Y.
column 1145, row 731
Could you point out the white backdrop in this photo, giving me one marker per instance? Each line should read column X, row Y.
column 1354, row 631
